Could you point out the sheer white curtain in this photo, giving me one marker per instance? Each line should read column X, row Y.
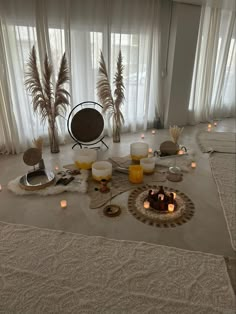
column 82, row 29
column 213, row 85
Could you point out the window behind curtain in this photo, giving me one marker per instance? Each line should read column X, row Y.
column 83, row 30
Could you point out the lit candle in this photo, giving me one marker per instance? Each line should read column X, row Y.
column 142, row 136
column 146, row 204
column 161, row 197
column 174, row 195
column 150, row 150
column 215, row 123
column 171, row 208
column 209, row 126
column 63, row 204
column 180, row 152
column 56, row 168
column 193, row 164
column 0, row 188
column 153, row 131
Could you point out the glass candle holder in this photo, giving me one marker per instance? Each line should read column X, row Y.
column 101, row 170
column 84, row 158
column 136, row 174
column 148, row 165
column 138, row 151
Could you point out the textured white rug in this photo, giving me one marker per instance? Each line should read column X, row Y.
column 80, row 185
column 224, row 171
column 45, row 271
column 222, row 142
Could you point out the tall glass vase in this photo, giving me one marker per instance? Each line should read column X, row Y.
column 53, row 138
column 116, row 130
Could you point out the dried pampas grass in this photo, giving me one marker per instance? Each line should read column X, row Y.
column 38, row 143
column 48, row 101
column 111, row 104
column 175, row 133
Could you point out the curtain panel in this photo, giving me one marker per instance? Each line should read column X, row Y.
column 82, row 29
column 213, row 85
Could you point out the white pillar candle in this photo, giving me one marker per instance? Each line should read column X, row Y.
column 101, row 170
column 193, row 164
column 63, row 203
column 146, row 204
column 142, row 136
column 148, row 165
column 171, row 208
column 153, row 131
column 138, row 150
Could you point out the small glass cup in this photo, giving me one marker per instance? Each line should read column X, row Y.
column 148, row 165
column 136, row 174
column 101, row 170
column 84, row 158
column 138, row 151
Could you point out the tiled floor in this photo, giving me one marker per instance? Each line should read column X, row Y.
column 206, row 231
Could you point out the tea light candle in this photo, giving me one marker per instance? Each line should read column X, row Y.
column 209, row 126
column 146, row 204
column 153, row 131
column 174, row 195
column 180, row 152
column 161, row 197
column 171, row 208
column 215, row 123
column 193, row 164
column 56, row 168
column 142, row 136
column 63, row 204
column 150, row 150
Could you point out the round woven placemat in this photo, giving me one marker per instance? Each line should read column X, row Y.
column 32, row 156
column 184, row 212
